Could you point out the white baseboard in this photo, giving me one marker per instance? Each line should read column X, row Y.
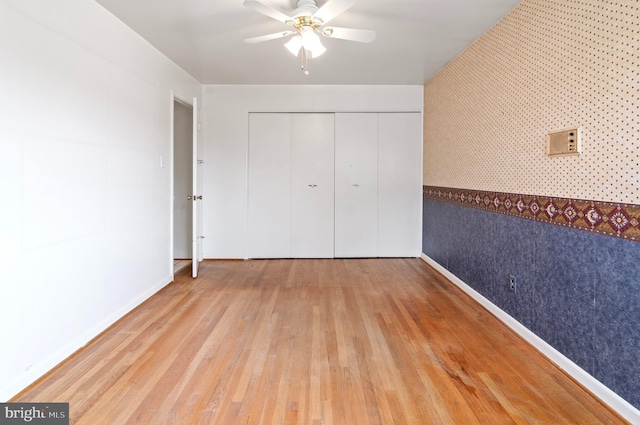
column 41, row 368
column 606, row 395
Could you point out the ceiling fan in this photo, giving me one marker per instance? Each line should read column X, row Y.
column 308, row 21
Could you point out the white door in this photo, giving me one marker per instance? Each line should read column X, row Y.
column 399, row 185
column 269, row 210
column 197, row 197
column 356, row 186
column 312, row 182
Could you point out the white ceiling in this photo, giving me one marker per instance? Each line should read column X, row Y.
column 415, row 39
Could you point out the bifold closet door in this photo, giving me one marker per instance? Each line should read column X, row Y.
column 334, row 185
column 356, row 177
column 312, row 183
column 399, row 185
column 269, row 209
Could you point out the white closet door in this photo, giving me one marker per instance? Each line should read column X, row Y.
column 356, row 176
column 312, row 182
column 269, row 209
column 399, row 185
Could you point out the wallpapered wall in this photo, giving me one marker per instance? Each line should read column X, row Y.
column 548, row 65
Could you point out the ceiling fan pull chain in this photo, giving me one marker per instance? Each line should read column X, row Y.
column 304, row 61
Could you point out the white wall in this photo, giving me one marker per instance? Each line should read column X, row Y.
column 225, row 141
column 85, row 207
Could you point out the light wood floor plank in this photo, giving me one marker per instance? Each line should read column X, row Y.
column 305, row 342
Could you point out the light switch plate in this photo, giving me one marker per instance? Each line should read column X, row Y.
column 564, row 142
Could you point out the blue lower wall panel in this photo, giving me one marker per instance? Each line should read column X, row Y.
column 578, row 291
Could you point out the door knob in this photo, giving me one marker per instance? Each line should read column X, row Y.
column 189, row 198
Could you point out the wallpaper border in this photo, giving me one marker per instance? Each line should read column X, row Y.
column 606, row 218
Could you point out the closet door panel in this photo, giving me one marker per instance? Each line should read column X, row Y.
column 269, row 209
column 312, row 185
column 356, row 205
column 399, row 185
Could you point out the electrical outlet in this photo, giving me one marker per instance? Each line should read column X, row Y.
column 513, row 284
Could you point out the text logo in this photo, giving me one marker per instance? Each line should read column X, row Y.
column 34, row 413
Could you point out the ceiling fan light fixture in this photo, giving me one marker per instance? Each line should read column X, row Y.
column 311, row 42
column 317, row 51
column 294, row 45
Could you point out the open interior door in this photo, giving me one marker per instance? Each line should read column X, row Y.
column 197, row 197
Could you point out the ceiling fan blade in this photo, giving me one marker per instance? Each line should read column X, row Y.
column 266, row 10
column 333, row 8
column 268, row 37
column 363, row 36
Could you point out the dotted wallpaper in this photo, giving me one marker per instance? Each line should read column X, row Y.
column 548, row 65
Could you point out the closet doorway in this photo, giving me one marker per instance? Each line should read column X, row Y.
column 182, row 185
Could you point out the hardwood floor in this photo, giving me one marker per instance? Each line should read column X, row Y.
column 180, row 264
column 376, row 341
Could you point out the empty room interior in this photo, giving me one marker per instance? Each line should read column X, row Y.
column 321, row 212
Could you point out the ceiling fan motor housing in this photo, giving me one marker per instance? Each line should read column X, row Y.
column 305, row 8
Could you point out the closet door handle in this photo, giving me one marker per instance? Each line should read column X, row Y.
column 313, row 185
column 355, row 185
